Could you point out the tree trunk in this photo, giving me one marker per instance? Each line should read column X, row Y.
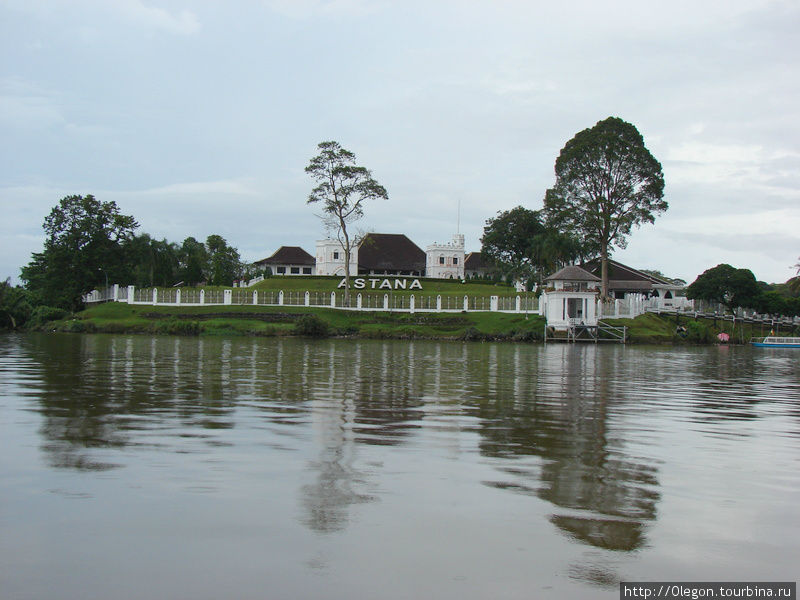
column 604, row 271
column 346, row 248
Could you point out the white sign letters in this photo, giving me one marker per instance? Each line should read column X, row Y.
column 376, row 283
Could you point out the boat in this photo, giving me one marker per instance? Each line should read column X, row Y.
column 774, row 341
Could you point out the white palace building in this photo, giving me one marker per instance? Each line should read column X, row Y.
column 377, row 254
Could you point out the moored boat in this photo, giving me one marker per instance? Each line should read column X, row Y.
column 774, row 341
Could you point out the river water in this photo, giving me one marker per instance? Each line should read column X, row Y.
column 164, row 467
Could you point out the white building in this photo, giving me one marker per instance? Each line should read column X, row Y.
column 571, row 298
column 445, row 261
column 330, row 258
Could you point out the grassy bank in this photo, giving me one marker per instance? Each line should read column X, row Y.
column 316, row 321
column 651, row 328
column 285, row 320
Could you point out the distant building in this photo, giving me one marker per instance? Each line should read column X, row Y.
column 390, row 254
column 624, row 280
column 289, row 260
column 330, row 258
column 377, row 254
column 474, row 266
column 445, row 261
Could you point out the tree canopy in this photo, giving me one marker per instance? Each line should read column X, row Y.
column 84, row 245
column 607, row 182
column 523, row 246
column 342, row 188
column 726, row 285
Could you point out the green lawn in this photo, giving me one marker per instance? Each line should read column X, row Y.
column 280, row 320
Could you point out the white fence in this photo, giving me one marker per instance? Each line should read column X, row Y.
column 363, row 301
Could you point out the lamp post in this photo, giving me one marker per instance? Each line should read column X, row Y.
column 105, row 294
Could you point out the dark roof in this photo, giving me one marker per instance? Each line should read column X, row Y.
column 389, row 252
column 621, row 276
column 288, row 255
column 573, row 273
column 474, row 261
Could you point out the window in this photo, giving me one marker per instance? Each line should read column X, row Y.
column 455, row 260
column 295, row 270
column 306, row 270
column 441, row 260
column 335, row 255
column 281, row 270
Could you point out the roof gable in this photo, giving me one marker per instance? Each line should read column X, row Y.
column 572, row 273
column 390, row 252
column 288, row 255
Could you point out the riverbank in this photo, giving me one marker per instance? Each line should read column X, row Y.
column 310, row 321
column 325, row 322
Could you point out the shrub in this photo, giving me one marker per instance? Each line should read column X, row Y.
column 472, row 335
column 45, row 314
column 76, row 326
column 177, row 327
column 311, row 326
column 698, row 332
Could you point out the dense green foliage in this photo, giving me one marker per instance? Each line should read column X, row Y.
column 311, row 326
column 738, row 288
column 723, row 284
column 15, row 307
column 84, row 246
column 607, row 182
column 90, row 243
column 520, row 243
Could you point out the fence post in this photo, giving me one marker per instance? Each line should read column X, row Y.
column 280, row 298
column 155, row 296
column 308, row 299
column 131, row 292
column 411, row 304
column 358, row 302
column 255, row 297
column 519, row 304
column 202, row 296
column 616, row 308
column 178, row 296
column 227, row 296
column 439, row 303
column 386, row 302
column 466, row 303
column 333, row 299
column 493, row 303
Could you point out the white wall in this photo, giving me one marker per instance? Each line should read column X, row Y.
column 330, row 258
column 445, row 261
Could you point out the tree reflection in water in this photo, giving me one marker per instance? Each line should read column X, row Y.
column 547, row 417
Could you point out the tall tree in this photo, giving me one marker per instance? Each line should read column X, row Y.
column 723, row 284
column 607, row 182
column 14, row 305
column 224, row 264
column 193, row 261
column 83, row 248
column 152, row 262
column 523, row 246
column 342, row 188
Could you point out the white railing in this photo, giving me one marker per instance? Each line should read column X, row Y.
column 363, row 301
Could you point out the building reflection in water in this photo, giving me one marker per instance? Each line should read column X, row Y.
column 549, row 418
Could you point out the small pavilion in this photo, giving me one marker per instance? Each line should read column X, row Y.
column 570, row 298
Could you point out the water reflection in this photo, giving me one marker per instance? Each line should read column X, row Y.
column 566, row 429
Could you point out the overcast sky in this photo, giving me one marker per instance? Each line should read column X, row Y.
column 199, row 116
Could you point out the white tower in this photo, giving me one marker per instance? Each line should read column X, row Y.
column 330, row 258
column 445, row 261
